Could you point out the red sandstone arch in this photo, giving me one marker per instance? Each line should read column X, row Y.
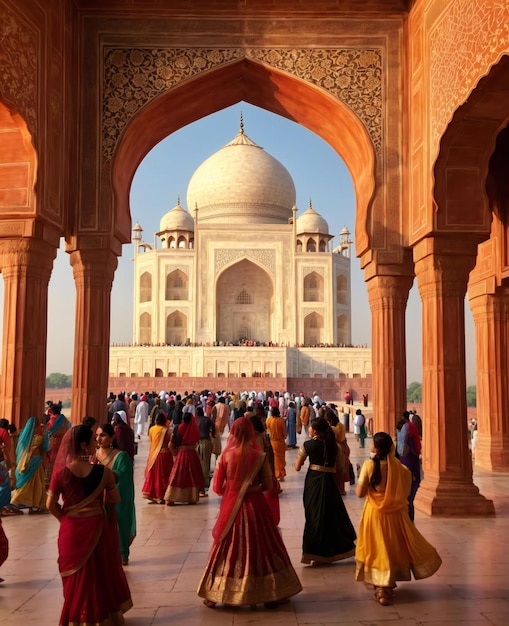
column 262, row 86
column 18, row 166
column 461, row 168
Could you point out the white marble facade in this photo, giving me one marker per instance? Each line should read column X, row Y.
column 243, row 270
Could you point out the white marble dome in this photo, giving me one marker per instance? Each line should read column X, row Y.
column 177, row 219
column 241, row 183
column 312, row 222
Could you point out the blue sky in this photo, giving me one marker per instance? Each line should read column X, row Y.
column 319, row 174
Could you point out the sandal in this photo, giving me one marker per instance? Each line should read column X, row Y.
column 14, row 509
column 209, row 604
column 383, row 596
column 5, row 512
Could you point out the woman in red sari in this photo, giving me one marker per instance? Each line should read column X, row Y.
column 159, row 462
column 186, row 479
column 94, row 584
column 248, row 563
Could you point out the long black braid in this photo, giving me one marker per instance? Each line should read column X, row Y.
column 383, row 444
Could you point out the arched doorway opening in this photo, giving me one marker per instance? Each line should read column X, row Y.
column 262, row 86
column 244, row 304
column 24, row 343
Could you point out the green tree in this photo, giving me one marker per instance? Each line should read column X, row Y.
column 414, row 393
column 58, row 381
column 472, row 396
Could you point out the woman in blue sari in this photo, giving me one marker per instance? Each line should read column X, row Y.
column 31, row 451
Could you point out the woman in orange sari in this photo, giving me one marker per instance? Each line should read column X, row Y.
column 276, row 426
column 94, row 583
column 248, row 563
column 159, row 462
column 389, row 546
column 186, row 478
column 344, row 450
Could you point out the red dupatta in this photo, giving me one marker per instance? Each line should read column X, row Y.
column 236, row 470
column 189, row 434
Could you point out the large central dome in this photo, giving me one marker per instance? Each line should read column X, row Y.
column 241, row 184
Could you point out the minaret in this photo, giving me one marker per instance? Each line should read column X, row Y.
column 136, row 239
column 345, row 242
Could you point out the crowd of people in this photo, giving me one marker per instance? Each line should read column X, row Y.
column 83, row 475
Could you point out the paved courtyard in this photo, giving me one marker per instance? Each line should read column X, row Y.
column 170, row 551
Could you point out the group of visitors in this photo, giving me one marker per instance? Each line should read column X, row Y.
column 80, row 475
column 91, row 493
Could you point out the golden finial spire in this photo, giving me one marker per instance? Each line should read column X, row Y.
column 241, row 124
column 178, row 200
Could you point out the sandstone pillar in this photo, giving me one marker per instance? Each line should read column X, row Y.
column 491, row 317
column 93, row 274
column 388, row 296
column 26, row 269
column 442, row 267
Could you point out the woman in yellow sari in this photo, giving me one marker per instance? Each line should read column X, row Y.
column 389, row 546
column 31, row 452
column 159, row 462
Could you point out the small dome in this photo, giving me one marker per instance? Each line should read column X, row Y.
column 345, row 231
column 177, row 219
column 311, row 222
column 241, row 183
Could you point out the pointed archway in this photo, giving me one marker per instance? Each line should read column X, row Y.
column 26, row 261
column 263, row 86
column 444, row 260
column 244, row 304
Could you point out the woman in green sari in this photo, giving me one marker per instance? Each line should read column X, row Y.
column 122, row 466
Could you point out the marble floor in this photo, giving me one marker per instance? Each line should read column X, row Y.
column 170, row 551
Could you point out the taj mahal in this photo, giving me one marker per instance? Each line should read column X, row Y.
column 241, row 287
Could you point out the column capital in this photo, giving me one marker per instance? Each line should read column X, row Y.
column 444, row 266
column 97, row 266
column 27, row 252
column 394, row 287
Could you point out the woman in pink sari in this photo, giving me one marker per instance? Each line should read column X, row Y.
column 159, row 462
column 248, row 563
column 186, row 479
column 94, row 584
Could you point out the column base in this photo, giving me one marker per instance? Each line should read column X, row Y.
column 452, row 499
column 492, row 453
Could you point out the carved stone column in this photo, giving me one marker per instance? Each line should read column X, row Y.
column 442, row 267
column 26, row 269
column 491, row 317
column 388, row 296
column 93, row 274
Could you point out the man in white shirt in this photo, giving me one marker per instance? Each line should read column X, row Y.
column 141, row 416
